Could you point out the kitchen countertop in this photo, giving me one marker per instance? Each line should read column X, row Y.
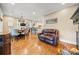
column 1, row 33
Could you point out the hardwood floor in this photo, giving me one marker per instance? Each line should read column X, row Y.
column 31, row 45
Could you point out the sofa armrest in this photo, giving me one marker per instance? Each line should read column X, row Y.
column 40, row 33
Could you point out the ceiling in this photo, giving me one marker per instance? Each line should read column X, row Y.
column 31, row 10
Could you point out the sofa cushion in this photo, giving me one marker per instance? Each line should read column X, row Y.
column 50, row 36
column 47, row 37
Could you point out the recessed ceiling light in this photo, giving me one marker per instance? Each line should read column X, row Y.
column 63, row 3
column 12, row 3
column 34, row 13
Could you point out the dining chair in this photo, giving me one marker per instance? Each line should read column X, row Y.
column 14, row 34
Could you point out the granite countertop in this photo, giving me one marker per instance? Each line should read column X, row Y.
column 1, row 33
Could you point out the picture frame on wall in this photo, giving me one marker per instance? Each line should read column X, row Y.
column 51, row 21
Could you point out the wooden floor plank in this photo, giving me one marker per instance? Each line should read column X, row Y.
column 31, row 45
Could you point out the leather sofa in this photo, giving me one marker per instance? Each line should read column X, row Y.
column 50, row 36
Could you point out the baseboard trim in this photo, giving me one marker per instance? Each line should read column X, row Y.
column 74, row 43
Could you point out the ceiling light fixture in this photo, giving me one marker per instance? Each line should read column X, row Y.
column 12, row 3
column 63, row 3
column 34, row 13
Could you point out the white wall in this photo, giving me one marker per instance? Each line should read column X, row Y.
column 1, row 27
column 64, row 25
column 1, row 23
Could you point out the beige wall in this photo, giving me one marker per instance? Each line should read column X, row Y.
column 1, row 23
column 5, row 25
column 1, row 27
column 64, row 25
column 8, row 23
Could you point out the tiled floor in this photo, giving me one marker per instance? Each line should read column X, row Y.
column 32, row 46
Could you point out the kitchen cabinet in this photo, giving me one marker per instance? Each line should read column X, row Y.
column 5, row 44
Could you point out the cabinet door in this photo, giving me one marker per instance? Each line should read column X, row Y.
column 1, row 45
column 7, row 45
column 1, row 50
column 7, row 49
column 7, row 38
